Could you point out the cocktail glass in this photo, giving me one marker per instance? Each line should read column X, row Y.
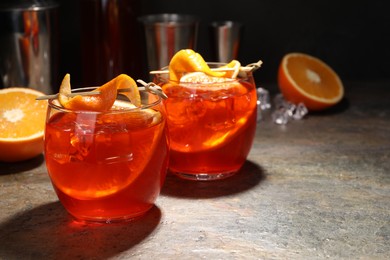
column 107, row 166
column 211, row 125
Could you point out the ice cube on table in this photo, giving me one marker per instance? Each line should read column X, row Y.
column 284, row 110
column 263, row 99
column 300, row 111
column 279, row 101
column 280, row 116
column 263, row 102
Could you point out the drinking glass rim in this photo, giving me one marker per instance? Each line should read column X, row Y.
column 165, row 79
column 166, row 19
column 213, row 63
column 52, row 101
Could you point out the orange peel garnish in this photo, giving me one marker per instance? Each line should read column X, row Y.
column 234, row 64
column 102, row 101
column 187, row 60
column 124, row 81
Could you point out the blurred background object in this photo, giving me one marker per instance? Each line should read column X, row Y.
column 225, row 40
column 110, row 40
column 29, row 44
column 166, row 34
column 352, row 38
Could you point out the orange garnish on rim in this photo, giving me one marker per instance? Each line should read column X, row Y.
column 105, row 98
column 187, row 60
column 235, row 65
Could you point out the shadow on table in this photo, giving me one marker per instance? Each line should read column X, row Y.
column 16, row 167
column 48, row 232
column 339, row 108
column 249, row 176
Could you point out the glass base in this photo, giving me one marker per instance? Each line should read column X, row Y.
column 110, row 220
column 204, row 176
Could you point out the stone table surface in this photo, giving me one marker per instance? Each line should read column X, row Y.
column 312, row 189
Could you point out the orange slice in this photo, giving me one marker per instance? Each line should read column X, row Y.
column 102, row 101
column 201, row 77
column 202, row 81
column 22, row 122
column 188, row 60
column 306, row 79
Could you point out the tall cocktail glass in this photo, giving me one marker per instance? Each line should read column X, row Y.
column 211, row 125
column 107, row 166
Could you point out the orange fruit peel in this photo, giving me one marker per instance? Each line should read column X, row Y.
column 22, row 123
column 187, row 60
column 306, row 79
column 105, row 98
column 204, row 78
column 235, row 65
column 127, row 83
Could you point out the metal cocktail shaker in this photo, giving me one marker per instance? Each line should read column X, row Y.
column 29, row 44
column 167, row 33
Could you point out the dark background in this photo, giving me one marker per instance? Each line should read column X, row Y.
column 353, row 37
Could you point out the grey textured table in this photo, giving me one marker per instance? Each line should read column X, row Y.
column 315, row 188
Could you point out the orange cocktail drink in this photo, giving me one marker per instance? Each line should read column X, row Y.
column 109, row 165
column 211, row 122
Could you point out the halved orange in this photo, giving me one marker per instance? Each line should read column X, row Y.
column 22, row 123
column 187, row 60
column 307, row 79
column 102, row 101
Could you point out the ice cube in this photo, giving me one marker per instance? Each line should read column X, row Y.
column 263, row 99
column 284, row 110
column 280, row 116
column 184, row 111
column 194, row 110
column 263, row 102
column 221, row 116
column 259, row 112
column 300, row 111
column 80, row 146
column 81, row 141
column 279, row 101
column 58, row 146
column 290, row 108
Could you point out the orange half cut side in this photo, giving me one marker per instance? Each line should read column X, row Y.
column 307, row 79
column 22, row 123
